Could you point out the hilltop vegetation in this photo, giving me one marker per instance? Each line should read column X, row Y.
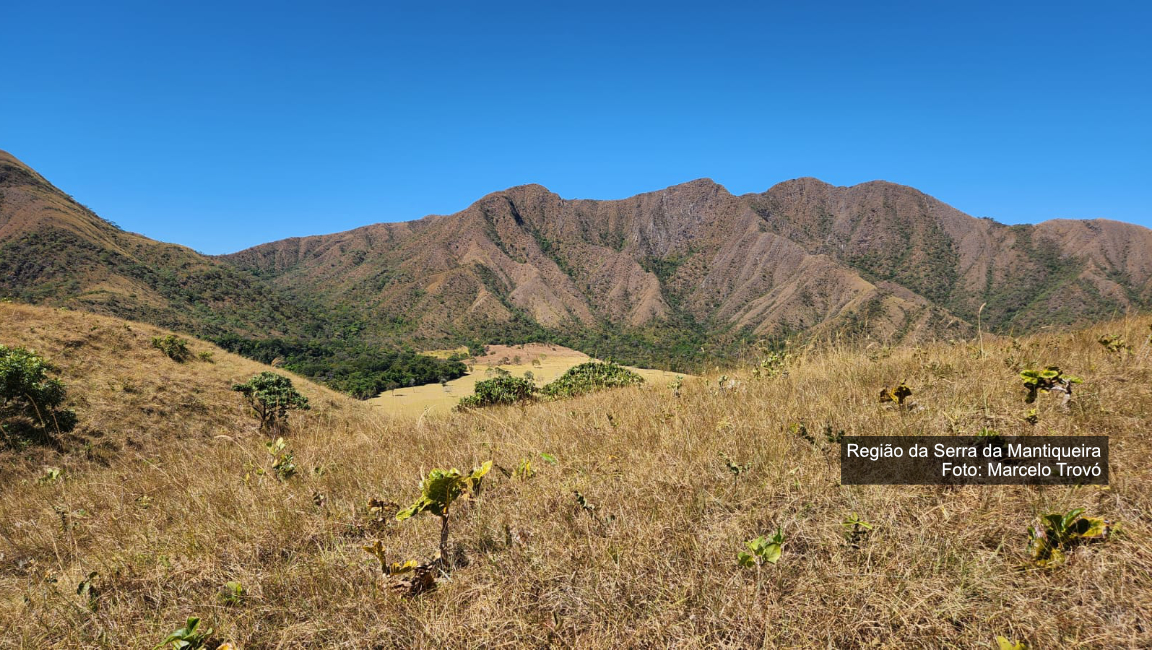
column 704, row 514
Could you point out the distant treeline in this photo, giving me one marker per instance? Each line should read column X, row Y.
column 358, row 369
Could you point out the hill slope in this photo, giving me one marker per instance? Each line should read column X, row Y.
column 160, row 533
column 55, row 251
column 132, row 400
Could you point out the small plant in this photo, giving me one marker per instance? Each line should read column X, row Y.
column 1051, row 379
column 898, row 395
column 1058, row 533
column 834, row 437
column 88, row 591
column 762, row 550
column 437, row 494
column 389, row 568
column 172, row 346
column 1032, row 416
column 855, row 530
column 205, row 356
column 676, row 385
column 51, row 475
column 271, row 396
column 500, row 390
column 734, row 469
column 283, row 463
column 773, row 364
column 189, row 637
column 801, row 430
column 232, row 593
column 524, row 470
column 26, row 391
column 1114, row 344
column 585, row 504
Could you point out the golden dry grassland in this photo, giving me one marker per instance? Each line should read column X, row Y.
column 546, row 362
column 162, row 496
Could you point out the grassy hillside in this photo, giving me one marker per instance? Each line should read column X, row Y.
column 653, row 563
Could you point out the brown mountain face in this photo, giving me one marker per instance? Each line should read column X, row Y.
column 877, row 259
column 55, row 251
column 670, row 271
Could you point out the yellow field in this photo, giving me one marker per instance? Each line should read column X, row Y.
column 551, row 361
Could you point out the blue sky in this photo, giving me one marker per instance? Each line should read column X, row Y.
column 224, row 125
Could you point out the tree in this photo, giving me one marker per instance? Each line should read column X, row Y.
column 26, row 391
column 271, row 396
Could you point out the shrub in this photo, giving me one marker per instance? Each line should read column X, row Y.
column 172, row 346
column 591, row 376
column 26, row 391
column 502, row 389
column 271, row 396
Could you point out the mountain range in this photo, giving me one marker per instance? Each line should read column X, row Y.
column 657, row 278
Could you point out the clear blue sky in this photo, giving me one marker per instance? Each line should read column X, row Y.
column 223, row 125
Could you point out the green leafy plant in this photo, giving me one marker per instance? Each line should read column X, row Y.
column 1003, row 643
column 27, row 393
column 283, row 462
column 88, row 591
column 51, row 475
column 1058, row 533
column 834, row 437
column 774, row 363
column 1032, row 416
column 1051, row 379
column 189, row 637
column 500, row 390
column 232, row 593
column 172, row 346
column 205, row 356
column 589, row 377
column 734, row 469
column 855, row 530
column 762, row 550
column 271, row 397
column 437, row 494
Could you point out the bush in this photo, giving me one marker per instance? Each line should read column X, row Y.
column 26, row 391
column 589, row 377
column 271, row 396
column 503, row 389
column 173, row 346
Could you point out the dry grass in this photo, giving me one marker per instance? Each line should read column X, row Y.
column 546, row 362
column 944, row 567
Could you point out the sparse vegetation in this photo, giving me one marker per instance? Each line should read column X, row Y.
column 645, row 555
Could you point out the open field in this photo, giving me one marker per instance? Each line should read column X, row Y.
column 182, row 500
column 545, row 362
